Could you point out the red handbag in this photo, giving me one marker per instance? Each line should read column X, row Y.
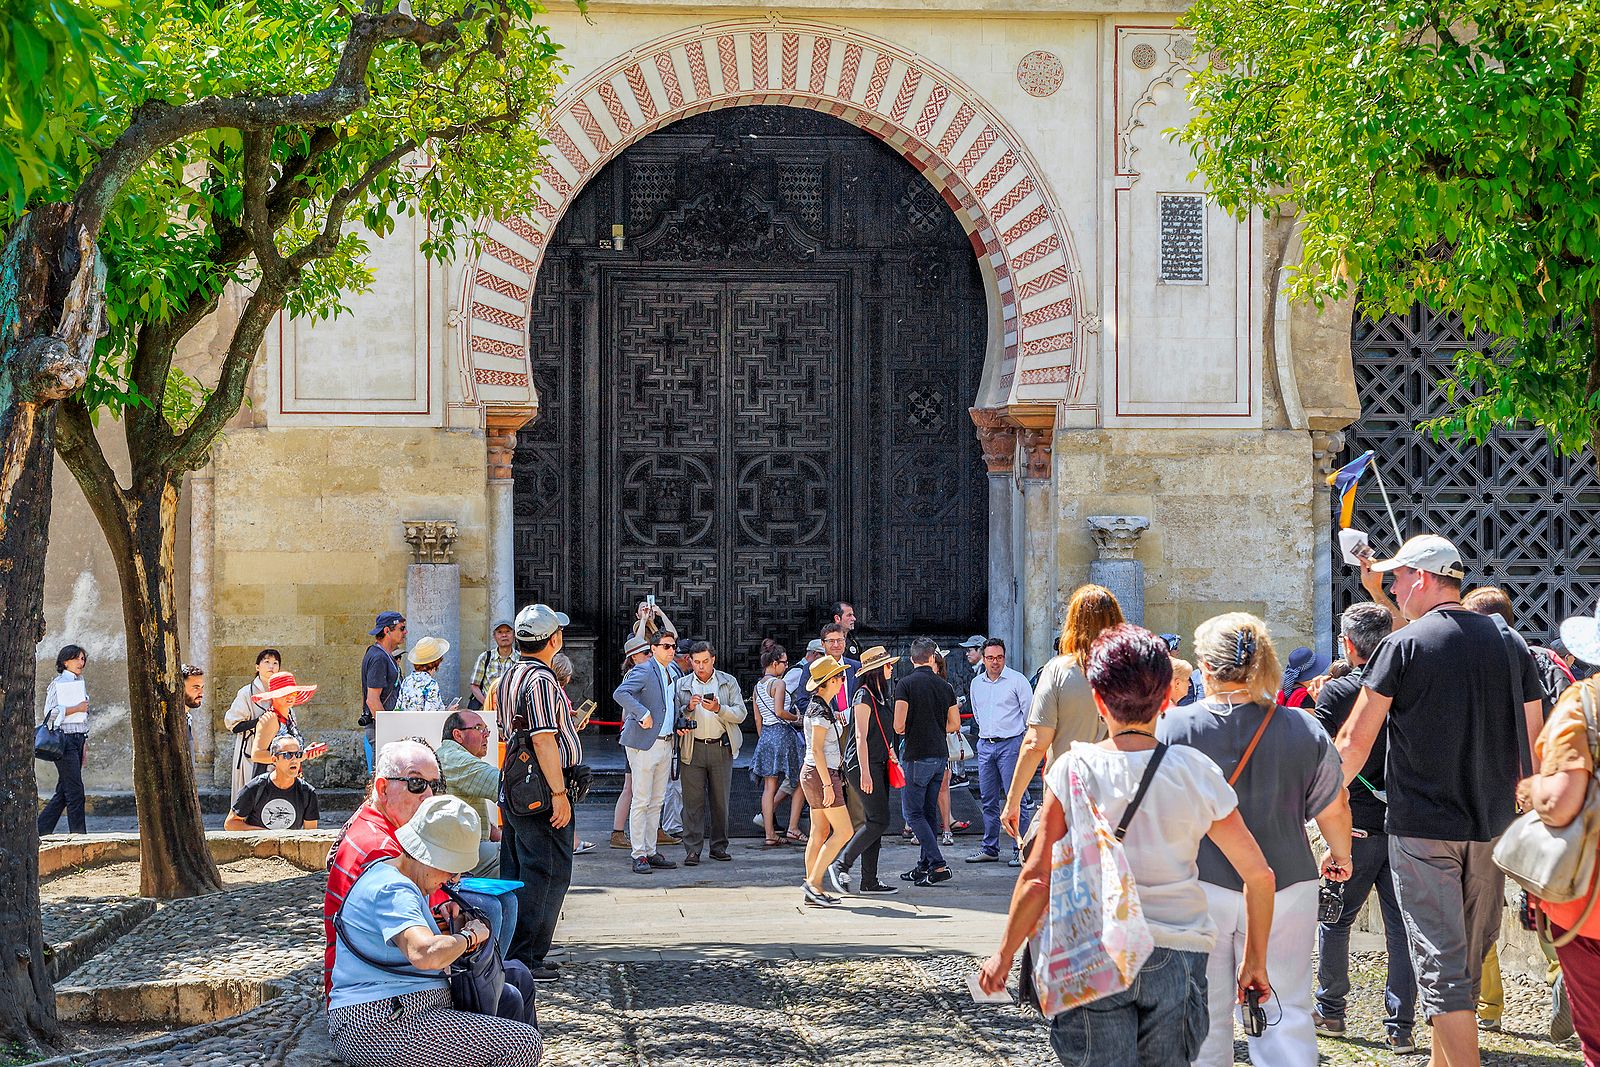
column 897, row 777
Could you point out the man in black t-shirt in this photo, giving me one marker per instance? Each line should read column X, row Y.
column 1461, row 697
column 1361, row 628
column 279, row 799
column 380, row 674
column 925, row 713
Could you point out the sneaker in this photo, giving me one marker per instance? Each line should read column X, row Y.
column 817, row 899
column 947, row 839
column 838, row 878
column 1325, row 1026
column 958, row 779
column 581, row 847
column 660, row 862
column 641, row 865
column 1401, row 1044
column 877, row 889
column 1015, row 860
column 981, row 856
column 1491, row 1025
column 1561, row 1011
column 934, row 877
column 914, row 873
column 619, row 839
column 544, row 973
column 664, row 838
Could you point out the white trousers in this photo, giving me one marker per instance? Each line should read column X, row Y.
column 651, row 767
column 1290, row 1041
column 672, row 808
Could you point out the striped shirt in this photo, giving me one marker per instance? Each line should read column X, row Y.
column 529, row 698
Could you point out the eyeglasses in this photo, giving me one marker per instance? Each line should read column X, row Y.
column 481, row 728
column 418, row 784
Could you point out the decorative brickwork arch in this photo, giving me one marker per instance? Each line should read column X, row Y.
column 940, row 125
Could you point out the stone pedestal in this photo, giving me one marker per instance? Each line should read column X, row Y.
column 433, row 596
column 998, row 439
column 1115, row 537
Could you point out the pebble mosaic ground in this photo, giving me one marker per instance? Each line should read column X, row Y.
column 790, row 1001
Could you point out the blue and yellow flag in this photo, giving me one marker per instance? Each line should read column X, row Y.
column 1344, row 482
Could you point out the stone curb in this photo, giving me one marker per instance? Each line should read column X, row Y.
column 176, row 1001
column 117, row 919
column 306, row 849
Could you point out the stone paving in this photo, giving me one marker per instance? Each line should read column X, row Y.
column 701, row 967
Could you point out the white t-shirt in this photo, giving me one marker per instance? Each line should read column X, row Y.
column 817, row 714
column 1188, row 794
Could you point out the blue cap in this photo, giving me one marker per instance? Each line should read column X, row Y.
column 384, row 620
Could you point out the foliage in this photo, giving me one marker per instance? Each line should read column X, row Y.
column 1441, row 151
column 447, row 132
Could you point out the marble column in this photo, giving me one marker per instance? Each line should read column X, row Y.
column 1326, row 445
column 202, row 540
column 433, row 595
column 1036, row 569
column 1115, row 568
column 501, row 426
column 998, row 439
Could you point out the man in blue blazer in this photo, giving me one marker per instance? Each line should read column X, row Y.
column 649, row 725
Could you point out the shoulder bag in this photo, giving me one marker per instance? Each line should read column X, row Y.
column 49, row 741
column 897, row 773
column 1558, row 863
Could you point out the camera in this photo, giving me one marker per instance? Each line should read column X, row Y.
column 1255, row 1018
column 1330, row 902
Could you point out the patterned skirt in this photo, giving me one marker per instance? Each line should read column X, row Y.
column 422, row 1030
column 777, row 754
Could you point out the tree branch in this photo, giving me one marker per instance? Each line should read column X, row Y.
column 189, row 449
column 146, row 429
column 322, row 245
column 79, row 449
column 257, row 166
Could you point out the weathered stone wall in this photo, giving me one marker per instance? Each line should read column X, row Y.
column 310, row 546
column 1230, row 521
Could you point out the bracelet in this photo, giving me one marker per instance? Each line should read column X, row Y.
column 558, row 792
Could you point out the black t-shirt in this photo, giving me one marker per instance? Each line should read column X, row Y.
column 929, row 699
column 1334, row 705
column 379, row 671
column 1456, row 731
column 261, row 803
column 880, row 729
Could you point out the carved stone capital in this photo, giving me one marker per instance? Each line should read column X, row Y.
column 997, row 437
column 1325, row 448
column 1116, row 535
column 431, row 540
column 500, row 436
column 1038, row 425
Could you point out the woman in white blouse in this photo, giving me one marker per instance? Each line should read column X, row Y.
column 243, row 713
column 66, row 704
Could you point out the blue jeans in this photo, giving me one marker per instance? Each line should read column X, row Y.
column 1369, row 870
column 997, row 761
column 501, row 911
column 1159, row 1021
column 540, row 857
column 919, row 801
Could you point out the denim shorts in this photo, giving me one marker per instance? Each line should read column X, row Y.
column 1159, row 1021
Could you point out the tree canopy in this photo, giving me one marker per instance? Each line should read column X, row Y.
column 1446, row 152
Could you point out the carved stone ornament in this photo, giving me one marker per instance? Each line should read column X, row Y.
column 1326, row 445
column 500, row 437
column 997, row 437
column 725, row 220
column 431, row 541
column 1040, row 73
column 1038, row 425
column 1116, row 535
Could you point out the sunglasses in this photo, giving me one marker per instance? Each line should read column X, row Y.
column 290, row 755
column 667, row 644
column 417, row 784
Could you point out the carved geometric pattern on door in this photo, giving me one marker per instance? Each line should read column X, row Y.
column 1524, row 518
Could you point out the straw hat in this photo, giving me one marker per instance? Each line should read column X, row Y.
column 635, row 645
column 443, row 834
column 823, row 669
column 875, row 657
column 428, row 650
column 1582, row 636
column 282, row 684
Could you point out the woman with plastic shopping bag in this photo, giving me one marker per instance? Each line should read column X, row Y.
column 1118, row 922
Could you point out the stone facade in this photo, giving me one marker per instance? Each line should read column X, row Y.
column 1138, row 363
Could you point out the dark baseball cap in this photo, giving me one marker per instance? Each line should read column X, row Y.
column 385, row 620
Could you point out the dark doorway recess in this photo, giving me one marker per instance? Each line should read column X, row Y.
column 759, row 403
column 1524, row 518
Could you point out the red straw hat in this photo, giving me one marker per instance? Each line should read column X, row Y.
column 282, row 684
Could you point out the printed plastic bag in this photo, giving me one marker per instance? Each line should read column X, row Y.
column 1093, row 938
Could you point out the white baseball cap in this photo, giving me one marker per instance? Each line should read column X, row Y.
column 538, row 621
column 1426, row 552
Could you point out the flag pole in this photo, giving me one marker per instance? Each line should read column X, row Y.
column 1377, row 473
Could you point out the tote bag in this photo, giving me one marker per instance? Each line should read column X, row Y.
column 1093, row 938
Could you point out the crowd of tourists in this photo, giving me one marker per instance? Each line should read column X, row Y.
column 1256, row 806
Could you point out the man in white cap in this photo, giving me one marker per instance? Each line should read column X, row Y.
column 1461, row 697
column 794, row 679
column 537, row 849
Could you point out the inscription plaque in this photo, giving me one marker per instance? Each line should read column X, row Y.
column 1183, row 237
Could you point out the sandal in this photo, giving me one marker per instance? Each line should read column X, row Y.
column 795, row 835
column 960, row 827
column 773, row 842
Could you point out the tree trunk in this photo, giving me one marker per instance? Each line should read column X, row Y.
column 49, row 318
column 173, row 858
column 27, row 1001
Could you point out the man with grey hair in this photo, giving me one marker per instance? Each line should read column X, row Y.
column 1361, row 628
